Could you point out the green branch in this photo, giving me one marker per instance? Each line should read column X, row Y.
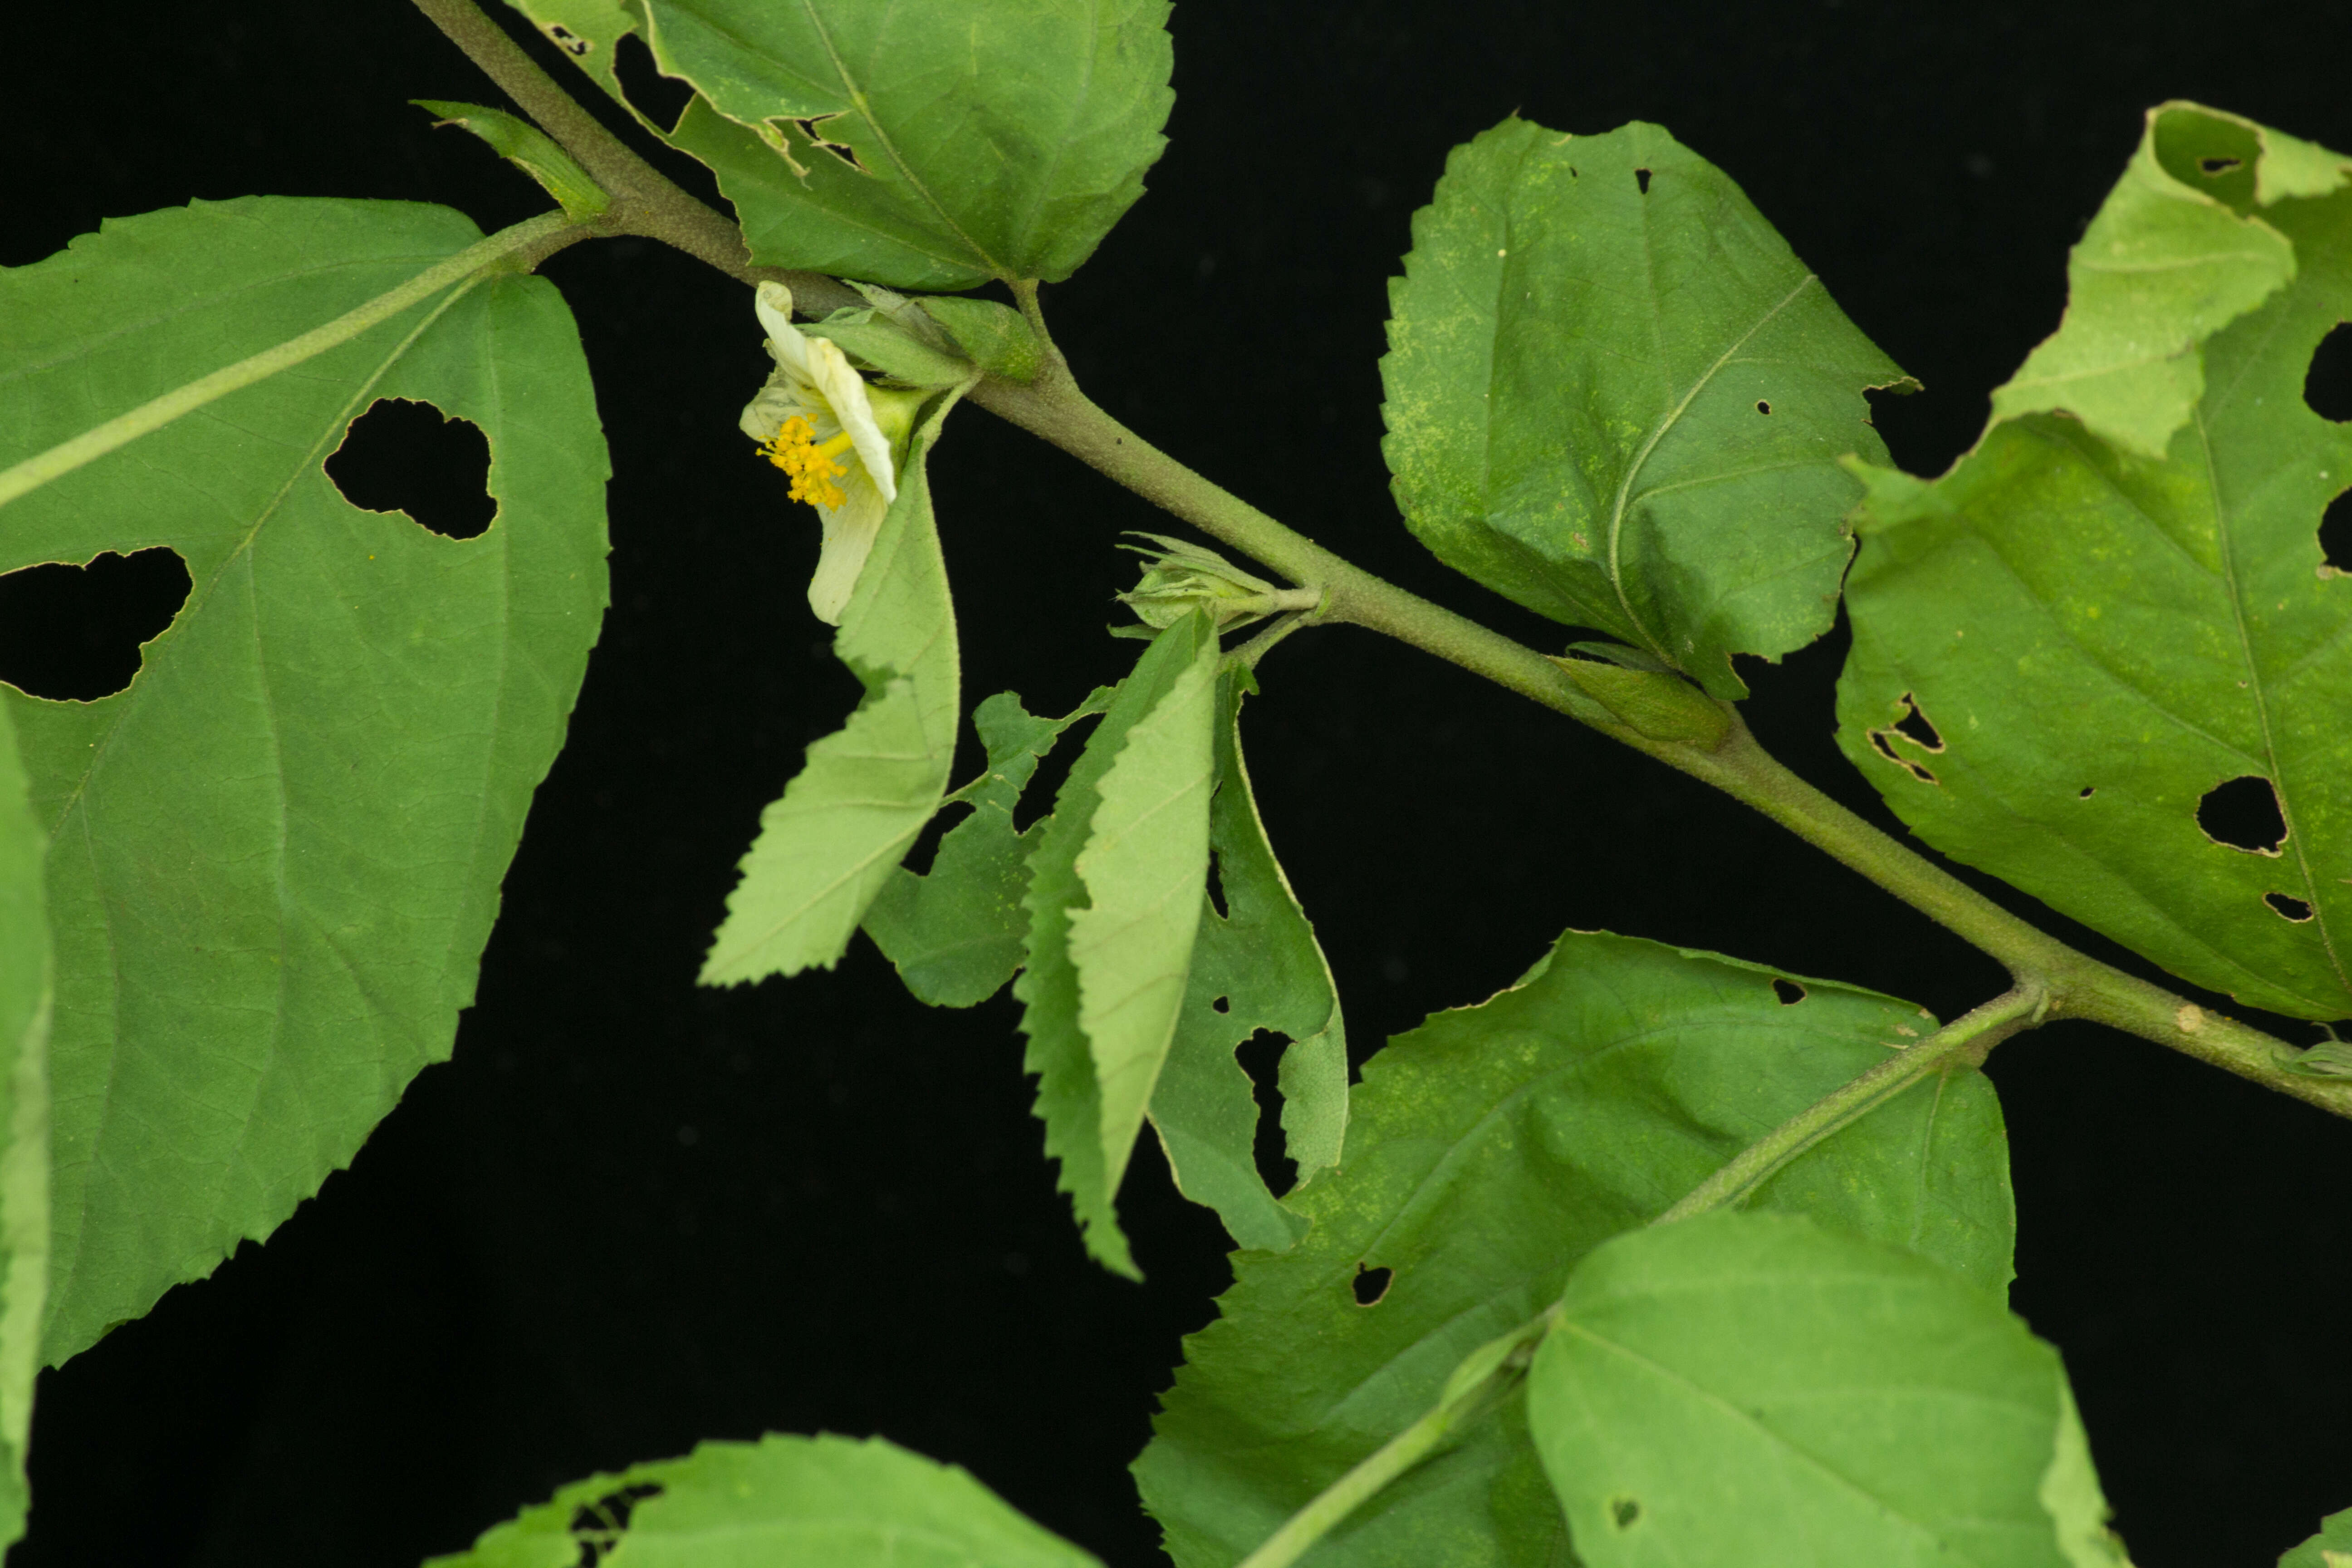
column 1053, row 408
column 523, row 245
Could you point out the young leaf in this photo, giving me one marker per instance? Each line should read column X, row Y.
column 2331, row 1548
column 956, row 932
column 826, row 848
column 25, row 1000
column 1254, row 967
column 1745, row 1388
column 1487, row 1153
column 276, row 854
column 2177, row 252
column 782, row 1500
column 1064, row 999
column 2120, row 682
column 931, row 145
column 1615, row 396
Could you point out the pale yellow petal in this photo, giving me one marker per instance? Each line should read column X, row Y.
column 849, row 533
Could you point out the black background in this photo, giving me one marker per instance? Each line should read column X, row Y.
column 630, row 1215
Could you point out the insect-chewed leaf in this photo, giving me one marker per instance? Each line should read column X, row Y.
column 1488, row 1152
column 1256, row 966
column 1617, row 397
column 2119, row 681
column 280, row 847
column 782, row 1500
column 827, row 848
column 1748, row 1388
column 1081, row 966
column 25, row 999
column 956, row 932
column 931, row 143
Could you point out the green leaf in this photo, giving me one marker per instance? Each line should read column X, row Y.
column 1256, row 966
column 1582, row 351
column 956, row 932
column 1178, row 666
column 1487, row 1153
column 994, row 336
column 1747, row 1388
column 2174, row 254
column 275, row 857
column 528, row 149
column 2093, row 641
column 782, row 1500
column 826, row 848
column 934, row 144
column 2331, row 1548
column 25, row 1002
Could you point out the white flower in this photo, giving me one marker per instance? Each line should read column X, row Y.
column 840, row 440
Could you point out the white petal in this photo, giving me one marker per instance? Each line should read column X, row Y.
column 838, row 383
column 776, row 402
column 773, row 304
column 849, row 533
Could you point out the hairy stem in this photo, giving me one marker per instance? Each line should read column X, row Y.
column 525, row 244
column 1053, row 407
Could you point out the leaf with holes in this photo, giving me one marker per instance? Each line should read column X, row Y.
column 590, row 33
column 930, row 145
column 955, row 932
column 1256, row 966
column 25, row 1003
column 1745, row 1388
column 275, row 857
column 826, row 847
column 834, row 1501
column 1488, row 1152
column 1616, row 396
column 2177, row 251
column 2119, row 681
column 2331, row 1548
column 1107, row 956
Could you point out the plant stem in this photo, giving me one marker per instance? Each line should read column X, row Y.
column 540, row 236
column 1973, row 1034
column 645, row 200
column 1053, row 407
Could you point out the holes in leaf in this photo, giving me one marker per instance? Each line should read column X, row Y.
column 1216, row 891
column 2088, row 791
column 1914, row 728
column 2336, row 534
column 2288, row 908
column 2244, row 814
column 599, row 1526
column 406, row 457
column 1371, row 1284
column 2209, row 167
column 1261, row 1058
column 2327, row 385
column 1763, row 406
column 73, row 634
column 659, row 97
column 1789, row 992
column 1221, row 1004
column 1642, row 178
column 1625, row 1512
column 569, row 42
column 824, row 143
column 1913, row 725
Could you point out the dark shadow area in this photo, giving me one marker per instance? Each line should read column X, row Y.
column 74, row 633
column 659, row 97
column 402, row 456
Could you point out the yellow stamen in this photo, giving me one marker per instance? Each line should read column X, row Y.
column 795, row 449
